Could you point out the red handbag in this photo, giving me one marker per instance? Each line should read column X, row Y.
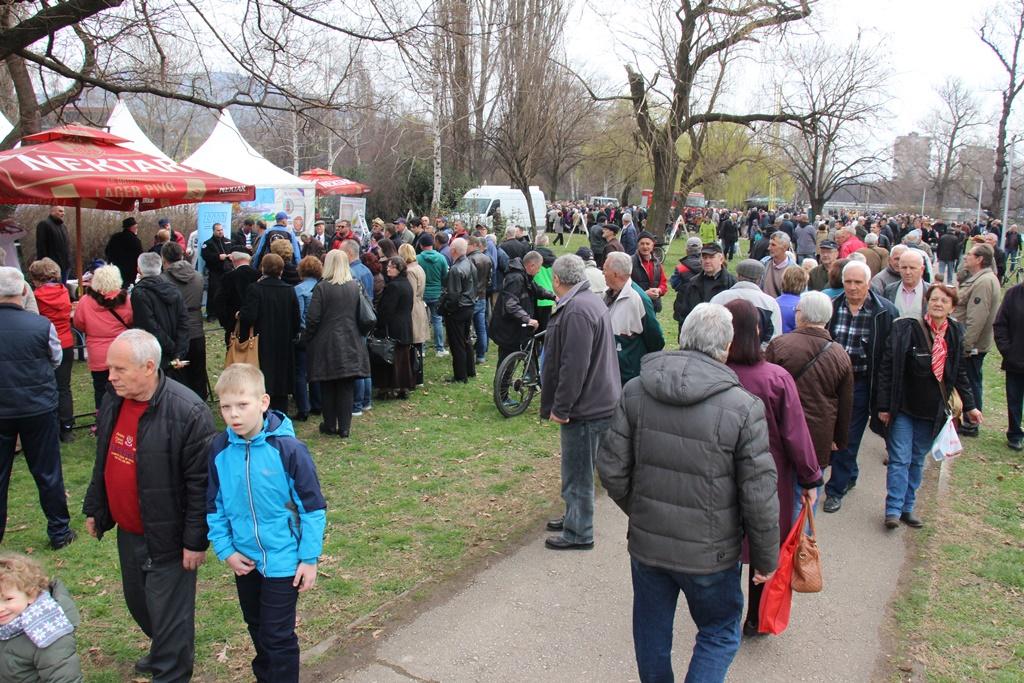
column 777, row 597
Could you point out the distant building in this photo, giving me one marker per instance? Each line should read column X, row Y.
column 910, row 156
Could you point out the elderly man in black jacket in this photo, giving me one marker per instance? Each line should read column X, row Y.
column 579, row 389
column 457, row 303
column 123, row 249
column 687, row 459
column 28, row 405
column 152, row 446
column 158, row 308
column 52, row 241
column 514, row 317
column 217, row 257
column 712, row 279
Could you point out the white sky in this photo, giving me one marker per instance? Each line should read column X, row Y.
column 927, row 41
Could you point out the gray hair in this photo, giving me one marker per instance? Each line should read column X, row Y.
column 150, row 264
column 871, row 239
column 241, row 256
column 916, row 253
column 569, row 269
column 12, row 282
column 857, row 265
column 816, row 307
column 510, row 232
column 626, row 215
column 898, row 249
column 532, row 257
column 809, row 263
column 782, row 237
column 708, row 329
column 542, row 240
column 144, row 345
column 620, row 263
column 458, row 246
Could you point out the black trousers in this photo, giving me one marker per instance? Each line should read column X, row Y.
column 40, row 442
column 212, row 290
column 100, row 379
column 193, row 375
column 162, row 600
column 268, row 607
column 336, row 398
column 559, row 238
column 754, row 592
column 65, row 404
column 457, row 328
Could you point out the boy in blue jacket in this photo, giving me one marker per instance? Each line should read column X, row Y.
column 266, row 516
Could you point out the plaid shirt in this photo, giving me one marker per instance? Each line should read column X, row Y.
column 854, row 333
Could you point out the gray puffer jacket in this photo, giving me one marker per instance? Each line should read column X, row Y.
column 687, row 459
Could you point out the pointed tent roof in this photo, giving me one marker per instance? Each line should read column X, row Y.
column 226, row 153
column 122, row 123
column 5, row 126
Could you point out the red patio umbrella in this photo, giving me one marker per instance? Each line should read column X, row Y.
column 328, row 183
column 86, row 167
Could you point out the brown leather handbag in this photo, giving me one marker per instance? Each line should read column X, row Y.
column 247, row 351
column 807, row 560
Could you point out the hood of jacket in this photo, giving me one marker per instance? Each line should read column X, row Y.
column 181, row 271
column 549, row 256
column 275, row 423
column 684, row 378
column 158, row 287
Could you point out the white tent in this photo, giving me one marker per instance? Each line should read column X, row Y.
column 226, row 153
column 122, row 123
column 5, row 126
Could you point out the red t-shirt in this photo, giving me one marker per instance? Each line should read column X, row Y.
column 120, row 472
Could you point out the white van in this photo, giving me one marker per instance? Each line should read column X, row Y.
column 480, row 203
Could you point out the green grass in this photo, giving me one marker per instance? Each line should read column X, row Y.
column 421, row 489
column 962, row 614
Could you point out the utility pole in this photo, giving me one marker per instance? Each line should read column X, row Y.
column 924, row 194
column 1006, row 197
column 981, row 188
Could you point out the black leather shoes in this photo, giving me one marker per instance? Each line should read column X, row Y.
column 752, row 630
column 300, row 417
column 556, row 524
column 324, row 429
column 832, row 504
column 143, row 666
column 892, row 522
column 910, row 520
column 559, row 543
column 64, row 542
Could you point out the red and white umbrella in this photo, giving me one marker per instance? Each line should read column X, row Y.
column 328, row 183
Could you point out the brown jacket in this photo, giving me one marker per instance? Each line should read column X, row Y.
column 976, row 311
column 826, row 388
column 876, row 258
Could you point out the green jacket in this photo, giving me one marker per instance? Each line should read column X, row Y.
column 543, row 280
column 435, row 266
column 22, row 662
column 631, row 349
column 708, row 232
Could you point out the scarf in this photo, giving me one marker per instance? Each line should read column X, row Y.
column 42, row 622
column 939, row 348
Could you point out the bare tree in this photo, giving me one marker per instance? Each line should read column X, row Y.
column 1002, row 30
column 949, row 125
column 842, row 86
column 525, row 114
column 574, row 124
column 692, row 40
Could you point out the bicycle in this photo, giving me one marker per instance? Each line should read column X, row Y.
column 1015, row 274
column 517, row 378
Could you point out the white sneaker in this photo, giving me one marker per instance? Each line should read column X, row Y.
column 442, row 353
column 356, row 413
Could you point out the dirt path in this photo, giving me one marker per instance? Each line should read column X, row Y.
column 540, row 615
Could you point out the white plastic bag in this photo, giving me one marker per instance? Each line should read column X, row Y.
column 947, row 443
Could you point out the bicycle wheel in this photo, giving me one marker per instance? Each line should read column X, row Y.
column 513, row 389
column 659, row 253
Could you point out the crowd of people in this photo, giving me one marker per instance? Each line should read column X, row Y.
column 828, row 328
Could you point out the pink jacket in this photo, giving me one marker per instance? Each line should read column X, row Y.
column 100, row 327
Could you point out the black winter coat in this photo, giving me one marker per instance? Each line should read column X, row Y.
column 123, row 250
column 700, row 289
column 272, row 308
column 158, row 308
column 232, row 293
column 173, row 445
column 907, row 365
column 1008, row 329
column 394, row 312
column 335, row 346
column 212, row 249
column 517, row 305
column 52, row 241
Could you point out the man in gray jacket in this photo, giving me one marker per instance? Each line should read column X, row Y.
column 687, row 459
column 579, row 389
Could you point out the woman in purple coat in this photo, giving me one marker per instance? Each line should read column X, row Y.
column 788, row 436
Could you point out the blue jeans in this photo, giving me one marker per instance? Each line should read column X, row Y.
column 437, row 322
column 363, row 397
column 947, row 271
column 909, row 441
column 798, row 501
column 579, row 449
column 974, row 366
column 716, row 605
column 844, row 461
column 480, row 325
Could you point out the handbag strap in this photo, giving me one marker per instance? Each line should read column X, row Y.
column 119, row 318
column 810, row 520
column 813, row 360
column 942, row 385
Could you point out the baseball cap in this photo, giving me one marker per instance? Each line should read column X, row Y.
column 281, row 216
column 693, row 245
column 828, row 244
column 163, row 221
column 711, row 248
column 585, row 253
column 399, row 220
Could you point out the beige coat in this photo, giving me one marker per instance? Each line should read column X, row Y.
column 976, row 311
column 420, row 314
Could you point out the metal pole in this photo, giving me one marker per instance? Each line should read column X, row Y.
column 924, row 194
column 981, row 188
column 1006, row 197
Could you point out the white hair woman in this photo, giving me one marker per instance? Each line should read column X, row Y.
column 103, row 312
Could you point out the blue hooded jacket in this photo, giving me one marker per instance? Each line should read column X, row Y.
column 264, row 499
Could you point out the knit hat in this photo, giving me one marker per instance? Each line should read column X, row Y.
column 645, row 235
column 750, row 270
column 426, row 240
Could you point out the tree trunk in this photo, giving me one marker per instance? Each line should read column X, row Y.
column 817, row 204
column 666, row 165
column 998, row 177
column 525, row 189
column 624, row 197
